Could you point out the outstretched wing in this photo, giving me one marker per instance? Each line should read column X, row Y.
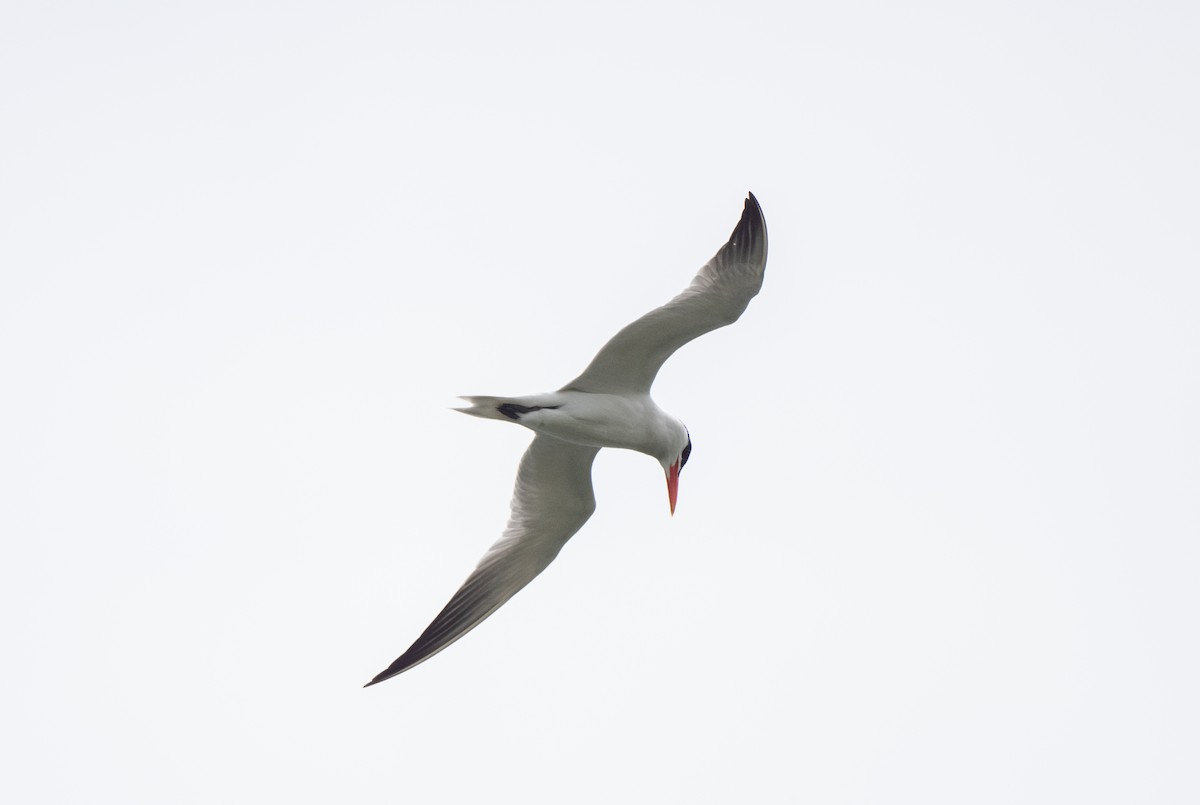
column 719, row 293
column 552, row 500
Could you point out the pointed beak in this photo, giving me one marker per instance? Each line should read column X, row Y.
column 673, row 485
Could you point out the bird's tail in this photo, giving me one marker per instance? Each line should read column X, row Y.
column 509, row 408
column 486, row 407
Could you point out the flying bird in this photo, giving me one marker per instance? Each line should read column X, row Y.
column 608, row 405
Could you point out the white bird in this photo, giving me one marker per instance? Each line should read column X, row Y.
column 608, row 405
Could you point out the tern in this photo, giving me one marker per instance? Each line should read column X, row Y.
column 608, row 405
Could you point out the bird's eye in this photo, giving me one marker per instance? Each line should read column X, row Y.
column 687, row 451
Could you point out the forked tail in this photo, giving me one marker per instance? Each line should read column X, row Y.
column 486, row 407
column 504, row 408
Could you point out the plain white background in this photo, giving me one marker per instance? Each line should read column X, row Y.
column 937, row 542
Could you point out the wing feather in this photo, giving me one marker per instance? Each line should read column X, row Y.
column 716, row 297
column 552, row 499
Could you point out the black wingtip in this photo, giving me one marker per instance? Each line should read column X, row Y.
column 753, row 209
column 749, row 238
column 395, row 669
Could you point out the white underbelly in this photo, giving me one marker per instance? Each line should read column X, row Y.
column 603, row 420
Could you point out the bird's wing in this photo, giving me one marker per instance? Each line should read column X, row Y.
column 551, row 501
column 718, row 294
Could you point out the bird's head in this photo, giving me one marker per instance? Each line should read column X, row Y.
column 673, row 465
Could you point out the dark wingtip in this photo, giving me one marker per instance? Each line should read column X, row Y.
column 749, row 238
column 753, row 210
column 395, row 669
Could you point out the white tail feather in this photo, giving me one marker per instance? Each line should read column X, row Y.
column 485, row 407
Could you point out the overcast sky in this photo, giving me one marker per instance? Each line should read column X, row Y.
column 938, row 539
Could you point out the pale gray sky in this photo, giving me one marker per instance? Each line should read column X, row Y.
column 938, row 539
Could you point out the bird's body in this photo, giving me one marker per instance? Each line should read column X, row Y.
column 609, row 405
column 628, row 421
